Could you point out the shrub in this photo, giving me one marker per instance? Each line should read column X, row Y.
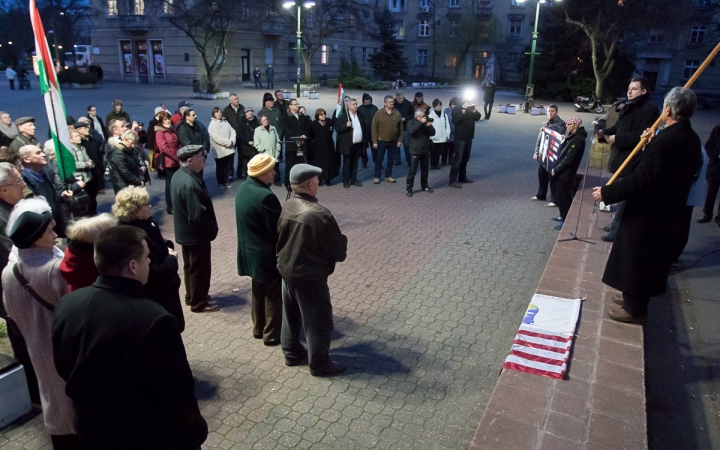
column 75, row 76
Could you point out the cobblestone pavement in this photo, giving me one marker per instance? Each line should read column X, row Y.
column 425, row 308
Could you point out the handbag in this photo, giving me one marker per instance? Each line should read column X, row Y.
column 24, row 283
column 80, row 200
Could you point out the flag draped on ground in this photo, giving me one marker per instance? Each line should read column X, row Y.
column 542, row 344
column 341, row 102
column 50, row 89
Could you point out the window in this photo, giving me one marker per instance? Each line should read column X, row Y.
column 482, row 4
column 309, row 18
column 515, row 28
column 656, row 37
column 453, row 28
column 139, row 7
column 364, row 54
column 424, row 5
column 697, row 35
column 422, row 58
column 168, row 7
column 324, row 54
column 424, row 28
column 397, row 5
column 454, row 3
column 450, row 61
column 244, row 11
column 518, row 3
column 690, row 68
column 112, row 8
column 268, row 53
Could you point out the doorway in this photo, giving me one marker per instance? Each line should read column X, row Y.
column 245, row 64
column 479, row 71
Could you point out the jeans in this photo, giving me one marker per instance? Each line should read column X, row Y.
column 406, row 149
column 350, row 163
column 544, row 180
column 448, row 153
column 422, row 160
column 392, row 149
column 169, row 172
column 488, row 109
column 460, row 160
column 307, row 306
column 197, row 269
column 258, row 83
column 266, row 310
column 712, row 190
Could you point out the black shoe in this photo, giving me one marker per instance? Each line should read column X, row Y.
column 278, row 183
column 169, row 211
column 705, row 219
column 357, row 183
column 205, row 309
column 606, row 229
column 328, row 184
column 321, row 183
column 297, row 362
column 466, row 181
column 409, row 193
column 346, row 185
column 271, row 343
column 607, row 238
column 455, row 185
column 257, row 336
column 428, row 190
column 333, row 369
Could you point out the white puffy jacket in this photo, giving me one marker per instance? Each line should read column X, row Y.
column 441, row 125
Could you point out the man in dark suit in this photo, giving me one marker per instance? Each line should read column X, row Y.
column 97, row 124
column 122, row 356
column 234, row 113
column 351, row 135
column 293, row 125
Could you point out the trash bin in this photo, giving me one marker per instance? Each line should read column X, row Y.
column 196, row 85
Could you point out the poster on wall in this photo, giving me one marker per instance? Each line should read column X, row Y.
column 126, row 54
column 142, row 57
column 158, row 57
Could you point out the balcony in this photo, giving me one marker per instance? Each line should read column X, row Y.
column 134, row 22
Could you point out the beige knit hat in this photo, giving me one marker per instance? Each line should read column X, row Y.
column 260, row 164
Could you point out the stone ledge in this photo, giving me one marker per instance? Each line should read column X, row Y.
column 601, row 402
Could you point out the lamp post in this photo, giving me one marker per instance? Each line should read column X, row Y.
column 530, row 89
column 299, row 4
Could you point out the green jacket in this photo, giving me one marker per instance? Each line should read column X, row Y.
column 257, row 211
column 193, row 211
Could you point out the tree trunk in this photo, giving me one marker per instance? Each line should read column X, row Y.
column 307, row 62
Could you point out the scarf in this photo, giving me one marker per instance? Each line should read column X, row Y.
column 267, row 128
column 10, row 131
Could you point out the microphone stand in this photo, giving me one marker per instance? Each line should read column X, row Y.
column 573, row 236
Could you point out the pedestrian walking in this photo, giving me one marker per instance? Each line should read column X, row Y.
column 11, row 76
column 489, row 98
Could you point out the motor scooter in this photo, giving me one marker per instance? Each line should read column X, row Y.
column 582, row 104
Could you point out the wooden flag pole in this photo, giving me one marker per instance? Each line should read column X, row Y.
column 644, row 139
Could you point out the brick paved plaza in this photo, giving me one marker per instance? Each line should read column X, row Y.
column 425, row 305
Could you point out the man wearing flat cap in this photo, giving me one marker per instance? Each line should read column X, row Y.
column 309, row 245
column 26, row 133
column 257, row 211
column 195, row 226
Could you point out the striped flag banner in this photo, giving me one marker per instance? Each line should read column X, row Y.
column 550, row 143
column 542, row 344
column 341, row 102
column 50, row 89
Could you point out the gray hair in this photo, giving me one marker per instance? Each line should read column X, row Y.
column 682, row 103
column 129, row 134
column 232, row 94
column 300, row 188
column 5, row 170
column 388, row 97
column 419, row 112
column 49, row 147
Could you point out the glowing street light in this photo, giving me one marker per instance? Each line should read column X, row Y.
column 299, row 4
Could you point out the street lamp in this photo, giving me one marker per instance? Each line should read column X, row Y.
column 530, row 89
column 299, row 4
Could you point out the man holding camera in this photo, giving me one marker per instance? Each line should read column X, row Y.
column 464, row 118
column 419, row 129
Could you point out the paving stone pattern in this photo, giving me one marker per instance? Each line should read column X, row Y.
column 425, row 309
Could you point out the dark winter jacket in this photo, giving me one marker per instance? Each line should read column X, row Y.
column 309, row 241
column 125, row 168
column 42, row 185
column 367, row 112
column 195, row 134
column 655, row 194
column 292, row 127
column 245, row 134
column 273, row 116
column 464, row 122
column 122, row 115
column 257, row 211
column 234, row 118
column 21, row 141
column 193, row 211
column 126, row 370
column 94, row 151
column 489, row 93
column 712, row 148
column 405, row 109
column 570, row 155
column 345, row 133
column 321, row 149
column 420, row 133
column 634, row 118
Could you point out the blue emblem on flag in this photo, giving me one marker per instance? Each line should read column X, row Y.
column 530, row 314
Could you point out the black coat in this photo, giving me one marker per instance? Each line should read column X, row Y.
column 405, row 109
column 234, row 118
column 571, row 153
column 321, row 149
column 125, row 169
column 245, row 135
column 282, row 107
column 193, row 211
column 655, row 192
column 292, row 127
column 94, row 151
column 464, row 122
column 345, row 133
column 634, row 118
column 195, row 134
column 126, row 370
column 163, row 282
column 45, row 187
column 712, row 148
column 103, row 130
column 420, row 133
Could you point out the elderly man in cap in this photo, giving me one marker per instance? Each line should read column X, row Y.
column 309, row 245
column 26, row 133
column 195, row 226
column 117, row 113
column 257, row 211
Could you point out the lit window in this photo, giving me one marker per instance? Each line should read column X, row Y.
column 139, row 7
column 690, row 68
column 450, row 61
column 324, row 54
column 422, row 58
column 519, row 3
column 424, row 28
column 112, row 8
column 697, row 35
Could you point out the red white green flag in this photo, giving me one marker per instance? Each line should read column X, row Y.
column 50, row 89
column 341, row 102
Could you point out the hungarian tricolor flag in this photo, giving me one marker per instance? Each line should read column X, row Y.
column 54, row 105
column 341, row 102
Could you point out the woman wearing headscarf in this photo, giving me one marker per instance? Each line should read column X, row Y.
column 132, row 207
column 32, row 287
column 78, row 265
column 222, row 139
column 321, row 147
